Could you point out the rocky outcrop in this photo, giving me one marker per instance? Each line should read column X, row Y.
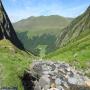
column 79, row 26
column 42, row 74
column 7, row 30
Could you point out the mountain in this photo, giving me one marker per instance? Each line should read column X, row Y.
column 79, row 26
column 38, row 34
column 13, row 63
column 42, row 23
column 74, row 43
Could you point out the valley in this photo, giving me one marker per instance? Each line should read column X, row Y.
column 40, row 31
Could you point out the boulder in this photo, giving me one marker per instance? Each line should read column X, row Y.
column 62, row 74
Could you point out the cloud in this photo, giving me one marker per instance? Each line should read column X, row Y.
column 26, row 8
column 16, row 15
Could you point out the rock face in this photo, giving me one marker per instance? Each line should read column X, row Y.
column 79, row 26
column 7, row 30
column 65, row 77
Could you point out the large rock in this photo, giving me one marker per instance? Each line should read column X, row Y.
column 65, row 76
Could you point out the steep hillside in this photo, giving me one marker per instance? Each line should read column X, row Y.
column 77, row 53
column 13, row 62
column 79, row 49
column 74, row 43
column 13, row 58
column 79, row 26
column 6, row 29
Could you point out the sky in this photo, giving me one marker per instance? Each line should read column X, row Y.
column 22, row 9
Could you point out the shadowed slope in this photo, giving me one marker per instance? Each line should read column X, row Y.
column 79, row 26
column 7, row 30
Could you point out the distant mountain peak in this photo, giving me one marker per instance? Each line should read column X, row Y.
column 7, row 30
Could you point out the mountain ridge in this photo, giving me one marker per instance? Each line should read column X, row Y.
column 13, row 57
column 78, row 26
column 41, row 21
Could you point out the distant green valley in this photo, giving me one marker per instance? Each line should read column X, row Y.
column 39, row 34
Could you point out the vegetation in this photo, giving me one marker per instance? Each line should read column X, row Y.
column 46, row 41
column 77, row 27
column 13, row 62
column 77, row 53
column 42, row 23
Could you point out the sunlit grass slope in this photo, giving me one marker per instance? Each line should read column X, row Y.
column 76, row 52
column 13, row 62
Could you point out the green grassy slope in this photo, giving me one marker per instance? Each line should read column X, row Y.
column 74, row 43
column 13, row 62
column 77, row 45
column 76, row 52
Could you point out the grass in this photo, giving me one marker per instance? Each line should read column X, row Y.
column 42, row 23
column 32, row 40
column 13, row 62
column 42, row 49
column 76, row 52
column 12, row 65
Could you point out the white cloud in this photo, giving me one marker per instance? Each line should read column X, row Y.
column 27, row 11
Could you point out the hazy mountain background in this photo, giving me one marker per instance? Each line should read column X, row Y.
column 39, row 34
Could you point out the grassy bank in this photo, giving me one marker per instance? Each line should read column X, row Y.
column 13, row 62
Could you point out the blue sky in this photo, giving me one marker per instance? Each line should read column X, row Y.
column 21, row 9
